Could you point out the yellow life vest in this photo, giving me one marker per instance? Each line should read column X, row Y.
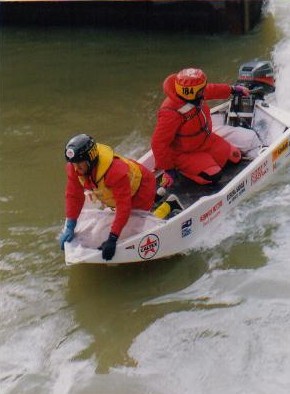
column 105, row 159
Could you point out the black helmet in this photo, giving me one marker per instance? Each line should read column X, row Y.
column 82, row 147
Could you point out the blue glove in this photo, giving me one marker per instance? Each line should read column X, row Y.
column 109, row 247
column 68, row 232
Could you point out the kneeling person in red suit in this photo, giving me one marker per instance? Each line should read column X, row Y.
column 183, row 138
column 118, row 182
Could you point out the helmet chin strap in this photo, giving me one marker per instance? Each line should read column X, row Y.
column 196, row 102
column 91, row 165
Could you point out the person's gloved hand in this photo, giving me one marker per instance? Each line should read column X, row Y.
column 241, row 90
column 168, row 178
column 109, row 247
column 68, row 232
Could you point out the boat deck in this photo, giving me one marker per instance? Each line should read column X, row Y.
column 189, row 192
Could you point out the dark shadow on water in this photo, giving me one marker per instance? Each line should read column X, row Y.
column 247, row 256
column 113, row 304
column 239, row 253
column 109, row 301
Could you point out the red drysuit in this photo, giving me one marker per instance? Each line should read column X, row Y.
column 116, row 178
column 183, row 137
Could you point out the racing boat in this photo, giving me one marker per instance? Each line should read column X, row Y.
column 147, row 238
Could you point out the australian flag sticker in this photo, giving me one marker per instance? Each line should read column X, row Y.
column 186, row 228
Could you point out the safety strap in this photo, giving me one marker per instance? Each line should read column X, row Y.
column 185, row 108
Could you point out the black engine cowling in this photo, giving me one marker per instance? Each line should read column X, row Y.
column 258, row 77
column 257, row 74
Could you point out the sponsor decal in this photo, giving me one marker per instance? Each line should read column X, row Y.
column 276, row 165
column 236, row 192
column 70, row 153
column 282, row 148
column 130, row 247
column 211, row 213
column 259, row 172
column 186, row 228
column 278, row 153
column 148, row 246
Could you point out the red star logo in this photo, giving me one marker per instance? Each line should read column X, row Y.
column 149, row 246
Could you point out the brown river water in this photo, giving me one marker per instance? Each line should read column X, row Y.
column 213, row 321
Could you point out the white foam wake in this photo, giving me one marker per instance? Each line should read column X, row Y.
column 281, row 53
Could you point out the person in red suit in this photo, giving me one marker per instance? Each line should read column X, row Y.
column 118, row 182
column 183, row 139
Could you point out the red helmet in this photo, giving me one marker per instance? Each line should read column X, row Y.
column 190, row 83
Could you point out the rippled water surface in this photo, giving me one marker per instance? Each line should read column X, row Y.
column 213, row 321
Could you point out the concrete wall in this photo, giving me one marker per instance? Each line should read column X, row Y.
column 235, row 16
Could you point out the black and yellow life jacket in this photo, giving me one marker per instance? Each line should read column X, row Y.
column 105, row 159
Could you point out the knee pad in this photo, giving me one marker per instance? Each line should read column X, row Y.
column 210, row 175
column 235, row 155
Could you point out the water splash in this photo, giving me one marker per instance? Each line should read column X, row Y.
column 281, row 53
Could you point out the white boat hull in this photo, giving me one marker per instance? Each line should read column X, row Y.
column 184, row 231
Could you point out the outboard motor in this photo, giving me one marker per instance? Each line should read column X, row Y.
column 258, row 77
column 257, row 74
